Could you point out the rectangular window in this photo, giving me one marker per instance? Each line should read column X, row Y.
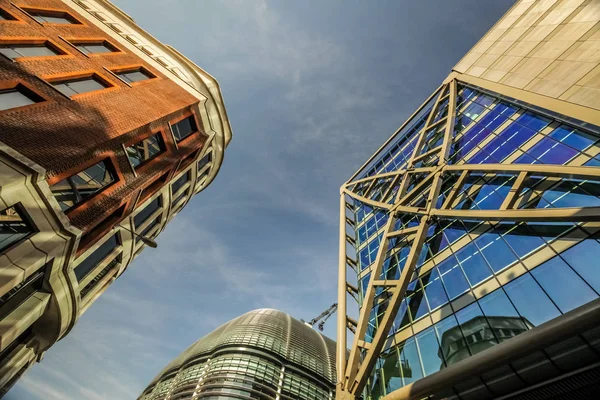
column 76, row 188
column 5, row 16
column 13, row 227
column 149, row 228
column 143, row 215
column 81, row 85
column 96, row 47
column 17, row 97
column 52, row 17
column 111, row 265
column 14, row 51
column 178, row 184
column 97, row 256
column 135, row 75
column 17, row 295
column 145, row 150
column 204, row 161
column 184, row 128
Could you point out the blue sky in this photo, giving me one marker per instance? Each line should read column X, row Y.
column 312, row 88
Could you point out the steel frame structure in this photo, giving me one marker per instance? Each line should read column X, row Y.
column 401, row 187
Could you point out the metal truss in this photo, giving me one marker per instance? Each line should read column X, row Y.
column 414, row 191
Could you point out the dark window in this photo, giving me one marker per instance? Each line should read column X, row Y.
column 51, row 17
column 134, row 75
column 178, row 184
column 204, row 161
column 146, row 232
column 22, row 339
column 179, row 198
column 114, row 263
column 154, row 186
column 17, row 97
column 14, row 51
column 97, row 256
column 145, row 149
column 147, row 211
column 17, row 295
column 76, row 188
column 13, row 227
column 96, row 47
column 184, row 128
column 4, row 16
column 82, row 85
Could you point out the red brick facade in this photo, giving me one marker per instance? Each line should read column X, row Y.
column 64, row 135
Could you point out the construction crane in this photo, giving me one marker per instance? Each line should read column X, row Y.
column 323, row 317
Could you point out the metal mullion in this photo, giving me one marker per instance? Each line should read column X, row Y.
column 455, row 189
column 581, row 214
column 365, row 310
column 430, row 152
column 444, row 153
column 359, row 379
column 404, row 125
column 426, row 127
column 391, row 187
column 370, row 202
column 513, row 194
column 568, row 171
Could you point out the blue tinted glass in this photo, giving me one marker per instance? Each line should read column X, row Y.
column 410, row 362
column 594, row 162
column 533, row 121
column 453, row 277
column 473, row 264
column 582, row 258
column 548, row 151
column 495, row 250
column 391, row 371
column 417, row 305
column 520, row 238
column 364, row 258
column 402, row 318
column 434, row 289
column 451, row 340
column 563, row 285
column 364, row 283
column 572, row 137
column 430, row 351
column 497, row 305
column 475, row 328
column 531, row 301
column 362, row 234
column 572, row 194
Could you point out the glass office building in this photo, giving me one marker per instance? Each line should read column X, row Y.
column 475, row 228
column 264, row 354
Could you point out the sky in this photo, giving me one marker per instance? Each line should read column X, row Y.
column 312, row 88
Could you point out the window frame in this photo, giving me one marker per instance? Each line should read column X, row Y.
column 111, row 168
column 22, row 212
column 64, row 79
column 76, row 42
column 187, row 116
column 41, row 42
column 25, row 90
column 32, row 12
column 12, row 18
column 133, row 68
column 162, row 145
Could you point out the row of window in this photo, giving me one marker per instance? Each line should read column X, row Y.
column 34, row 48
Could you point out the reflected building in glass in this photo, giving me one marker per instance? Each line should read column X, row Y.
column 474, row 230
column 264, row 354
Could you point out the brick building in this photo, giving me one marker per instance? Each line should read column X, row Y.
column 105, row 134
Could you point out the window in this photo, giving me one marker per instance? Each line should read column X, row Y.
column 76, row 188
column 147, row 232
column 17, row 295
column 96, row 47
column 178, row 184
column 97, row 256
column 14, row 51
column 52, row 17
column 135, row 75
column 204, row 161
column 17, row 97
column 5, row 16
column 145, row 150
column 13, row 227
column 184, row 128
column 81, row 85
column 109, row 267
column 143, row 215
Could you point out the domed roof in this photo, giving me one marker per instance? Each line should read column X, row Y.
column 272, row 331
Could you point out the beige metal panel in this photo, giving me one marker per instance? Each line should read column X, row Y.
column 547, row 47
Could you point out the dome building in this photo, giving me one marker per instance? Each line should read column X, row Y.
column 263, row 354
